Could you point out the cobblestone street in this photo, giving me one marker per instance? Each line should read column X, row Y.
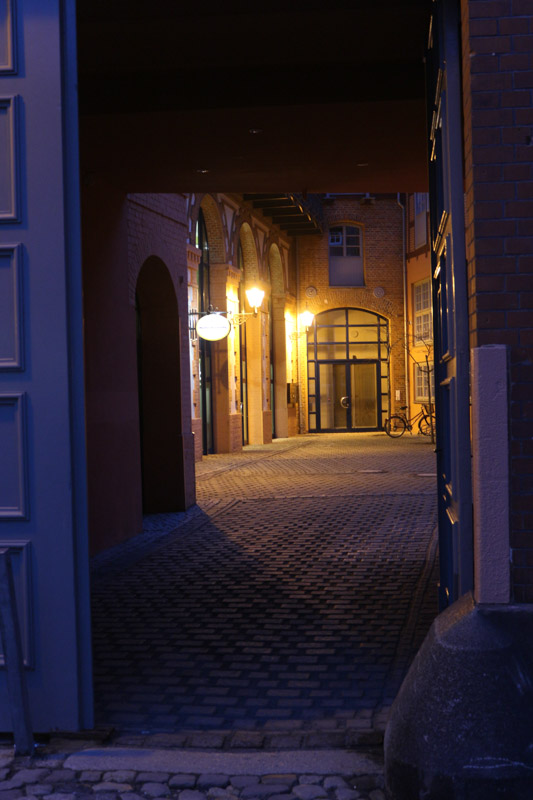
column 249, row 648
column 284, row 610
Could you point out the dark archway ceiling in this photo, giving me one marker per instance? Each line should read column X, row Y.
column 247, row 97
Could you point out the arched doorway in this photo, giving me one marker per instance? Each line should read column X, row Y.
column 159, row 389
column 348, row 371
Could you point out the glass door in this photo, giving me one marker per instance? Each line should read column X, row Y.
column 334, row 396
column 364, row 396
column 348, row 396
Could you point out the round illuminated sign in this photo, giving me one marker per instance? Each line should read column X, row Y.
column 213, row 327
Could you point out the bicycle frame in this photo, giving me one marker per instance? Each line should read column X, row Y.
column 397, row 424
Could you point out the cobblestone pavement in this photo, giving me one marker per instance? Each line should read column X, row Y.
column 249, row 648
column 54, row 773
column 283, row 611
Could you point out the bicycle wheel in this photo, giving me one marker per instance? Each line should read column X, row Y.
column 395, row 426
column 425, row 425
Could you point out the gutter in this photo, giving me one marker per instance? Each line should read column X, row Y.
column 406, row 340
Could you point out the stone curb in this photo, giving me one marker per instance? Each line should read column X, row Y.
column 129, row 774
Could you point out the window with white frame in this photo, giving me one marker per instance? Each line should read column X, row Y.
column 346, row 256
column 423, row 328
column 422, row 384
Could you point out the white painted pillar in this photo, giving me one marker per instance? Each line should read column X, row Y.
column 490, row 474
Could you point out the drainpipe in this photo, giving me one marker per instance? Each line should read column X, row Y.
column 297, row 341
column 406, row 340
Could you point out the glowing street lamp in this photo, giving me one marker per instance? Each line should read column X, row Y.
column 306, row 318
column 254, row 295
column 255, row 298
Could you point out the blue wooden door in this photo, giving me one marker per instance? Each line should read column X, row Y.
column 450, row 302
column 42, row 465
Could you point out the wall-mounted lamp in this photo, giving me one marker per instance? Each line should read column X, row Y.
column 255, row 298
column 306, row 320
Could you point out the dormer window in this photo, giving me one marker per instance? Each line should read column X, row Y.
column 346, row 256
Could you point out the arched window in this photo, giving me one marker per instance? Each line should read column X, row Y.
column 346, row 256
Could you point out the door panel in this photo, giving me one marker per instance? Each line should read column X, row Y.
column 364, row 396
column 43, row 502
column 333, row 388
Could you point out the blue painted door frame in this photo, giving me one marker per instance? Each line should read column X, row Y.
column 450, row 301
column 43, row 513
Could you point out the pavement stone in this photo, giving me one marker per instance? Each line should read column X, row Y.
column 335, row 782
column 111, row 786
column 64, row 796
column 309, row 791
column 213, row 779
column 151, row 789
column 59, row 776
column 190, row 794
column 220, row 793
column 154, row 777
column 288, row 796
column 182, row 782
column 240, row 781
column 263, row 790
column 118, row 776
column 90, row 776
column 286, row 778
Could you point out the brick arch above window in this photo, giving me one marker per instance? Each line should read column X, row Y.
column 215, row 230
column 249, row 252
column 277, row 281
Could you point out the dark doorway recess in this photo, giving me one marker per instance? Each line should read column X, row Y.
column 159, row 389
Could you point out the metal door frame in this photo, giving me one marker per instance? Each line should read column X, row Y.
column 450, row 302
column 348, row 363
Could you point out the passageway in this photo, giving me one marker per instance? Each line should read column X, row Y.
column 286, row 606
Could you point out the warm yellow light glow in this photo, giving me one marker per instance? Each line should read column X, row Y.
column 306, row 318
column 255, row 297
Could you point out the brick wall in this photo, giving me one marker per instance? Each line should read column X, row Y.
column 497, row 40
column 157, row 226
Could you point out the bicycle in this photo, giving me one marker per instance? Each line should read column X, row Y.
column 397, row 424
